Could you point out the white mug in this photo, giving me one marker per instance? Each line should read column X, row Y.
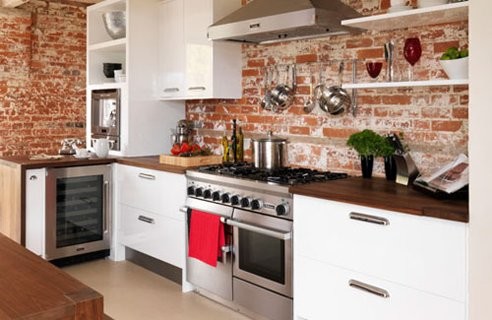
column 101, row 146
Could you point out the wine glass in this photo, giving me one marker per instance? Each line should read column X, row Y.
column 412, row 52
column 374, row 68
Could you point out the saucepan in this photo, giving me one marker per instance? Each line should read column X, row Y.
column 334, row 99
column 283, row 94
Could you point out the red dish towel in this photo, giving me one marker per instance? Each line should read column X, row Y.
column 206, row 237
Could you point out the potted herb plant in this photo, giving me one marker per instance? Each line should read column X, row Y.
column 454, row 61
column 367, row 143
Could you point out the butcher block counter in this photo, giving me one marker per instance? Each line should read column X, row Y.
column 382, row 194
column 34, row 289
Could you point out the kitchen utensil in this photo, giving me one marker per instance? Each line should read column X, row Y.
column 68, row 146
column 335, row 100
column 270, row 153
column 115, row 24
column 388, row 55
column 312, row 101
column 354, row 91
column 101, row 147
column 266, row 101
column 283, row 94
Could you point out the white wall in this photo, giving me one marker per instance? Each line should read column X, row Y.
column 480, row 151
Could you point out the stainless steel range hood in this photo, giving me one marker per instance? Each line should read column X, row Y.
column 263, row 21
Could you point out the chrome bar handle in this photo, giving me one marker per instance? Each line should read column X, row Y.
column 171, row 90
column 266, row 232
column 146, row 176
column 106, row 206
column 225, row 251
column 368, row 218
column 184, row 209
column 368, row 288
column 146, row 219
column 201, row 88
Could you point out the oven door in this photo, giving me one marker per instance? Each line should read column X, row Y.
column 263, row 250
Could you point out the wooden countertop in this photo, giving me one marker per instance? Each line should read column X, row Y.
column 382, row 194
column 35, row 289
column 149, row 162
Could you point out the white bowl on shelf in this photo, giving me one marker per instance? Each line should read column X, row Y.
column 430, row 3
column 115, row 24
column 456, row 68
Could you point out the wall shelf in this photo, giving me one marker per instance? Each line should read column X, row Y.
column 112, row 45
column 107, row 85
column 446, row 13
column 403, row 84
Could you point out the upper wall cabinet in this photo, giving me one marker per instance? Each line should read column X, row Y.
column 191, row 66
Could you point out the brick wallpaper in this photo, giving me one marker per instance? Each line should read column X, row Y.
column 433, row 120
column 42, row 76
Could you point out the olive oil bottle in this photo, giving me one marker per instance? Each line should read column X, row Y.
column 240, row 145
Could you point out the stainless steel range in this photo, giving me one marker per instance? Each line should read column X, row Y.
column 254, row 274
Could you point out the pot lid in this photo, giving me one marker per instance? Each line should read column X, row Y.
column 270, row 138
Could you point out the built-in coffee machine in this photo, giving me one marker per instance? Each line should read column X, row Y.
column 106, row 116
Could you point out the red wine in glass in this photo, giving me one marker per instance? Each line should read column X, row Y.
column 412, row 52
column 374, row 68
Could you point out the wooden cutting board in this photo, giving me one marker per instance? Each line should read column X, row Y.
column 189, row 161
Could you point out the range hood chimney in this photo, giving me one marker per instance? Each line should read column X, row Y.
column 265, row 21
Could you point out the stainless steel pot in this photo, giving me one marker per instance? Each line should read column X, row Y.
column 270, row 153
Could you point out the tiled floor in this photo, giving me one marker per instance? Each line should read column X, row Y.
column 133, row 293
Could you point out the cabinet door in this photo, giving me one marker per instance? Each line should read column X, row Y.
column 35, row 210
column 325, row 292
column 157, row 236
column 159, row 192
column 420, row 252
column 199, row 50
column 172, row 49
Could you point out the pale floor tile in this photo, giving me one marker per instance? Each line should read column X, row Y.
column 131, row 292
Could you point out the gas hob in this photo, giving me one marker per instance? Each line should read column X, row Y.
column 245, row 187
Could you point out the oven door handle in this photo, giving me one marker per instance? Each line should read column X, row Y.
column 264, row 231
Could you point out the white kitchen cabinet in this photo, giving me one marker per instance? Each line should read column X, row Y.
column 191, row 66
column 35, row 181
column 149, row 219
column 419, row 258
column 145, row 120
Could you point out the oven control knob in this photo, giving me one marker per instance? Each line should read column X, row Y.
column 256, row 204
column 207, row 194
column 245, row 202
column 198, row 192
column 191, row 190
column 282, row 209
column 235, row 200
column 216, row 196
column 226, row 197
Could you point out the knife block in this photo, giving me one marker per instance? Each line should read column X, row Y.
column 406, row 170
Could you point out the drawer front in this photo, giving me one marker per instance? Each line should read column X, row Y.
column 157, row 236
column 423, row 253
column 159, row 192
column 325, row 292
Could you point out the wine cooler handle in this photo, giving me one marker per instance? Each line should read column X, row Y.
column 106, row 206
column 368, row 218
column 146, row 219
column 146, row 176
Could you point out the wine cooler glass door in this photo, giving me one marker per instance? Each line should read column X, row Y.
column 77, row 215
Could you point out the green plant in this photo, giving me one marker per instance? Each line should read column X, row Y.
column 453, row 53
column 369, row 143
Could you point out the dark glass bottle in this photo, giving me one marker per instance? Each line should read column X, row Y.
column 240, row 145
column 234, row 142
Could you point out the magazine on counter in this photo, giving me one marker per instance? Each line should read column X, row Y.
column 449, row 178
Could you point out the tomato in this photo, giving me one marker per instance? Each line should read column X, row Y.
column 176, row 149
column 195, row 148
column 185, row 147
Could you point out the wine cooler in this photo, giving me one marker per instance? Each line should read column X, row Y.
column 78, row 211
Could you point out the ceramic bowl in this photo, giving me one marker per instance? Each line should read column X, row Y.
column 455, row 69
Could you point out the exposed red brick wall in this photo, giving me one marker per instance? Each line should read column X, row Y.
column 433, row 120
column 42, row 76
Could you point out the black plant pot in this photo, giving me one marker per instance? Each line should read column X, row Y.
column 366, row 163
column 390, row 168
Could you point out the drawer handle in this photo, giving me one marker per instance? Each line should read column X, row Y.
column 171, row 90
column 368, row 218
column 146, row 219
column 201, row 88
column 368, row 288
column 146, row 176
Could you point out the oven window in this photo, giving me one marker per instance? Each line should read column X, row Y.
column 262, row 255
column 79, row 210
